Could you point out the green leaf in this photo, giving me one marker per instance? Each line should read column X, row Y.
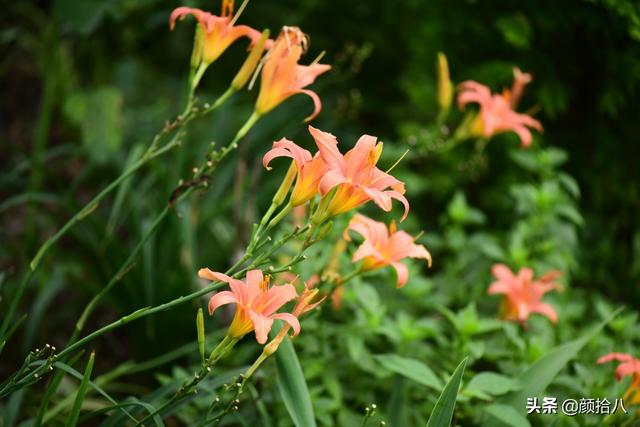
column 538, row 376
column 491, row 383
column 77, row 404
column 508, row 415
column 410, row 368
column 293, row 387
column 443, row 411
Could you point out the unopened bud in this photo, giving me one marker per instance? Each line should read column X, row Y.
column 445, row 87
column 201, row 336
column 196, row 53
column 250, row 63
column 283, row 190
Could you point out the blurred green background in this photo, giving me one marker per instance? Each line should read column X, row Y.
column 85, row 85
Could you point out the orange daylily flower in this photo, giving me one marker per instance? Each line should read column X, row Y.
column 523, row 294
column 283, row 77
column 219, row 32
column 256, row 303
column 356, row 176
column 629, row 366
column 496, row 113
column 383, row 247
column 309, row 169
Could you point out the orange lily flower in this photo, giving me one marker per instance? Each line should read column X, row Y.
column 629, row 366
column 496, row 113
column 309, row 169
column 283, row 77
column 256, row 303
column 219, row 32
column 356, row 176
column 383, row 247
column 523, row 295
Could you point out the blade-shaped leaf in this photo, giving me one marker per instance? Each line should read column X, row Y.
column 77, row 404
column 538, row 376
column 410, row 368
column 443, row 411
column 293, row 387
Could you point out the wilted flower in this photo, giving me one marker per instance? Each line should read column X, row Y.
column 309, row 169
column 283, row 77
column 355, row 175
column 496, row 114
column 629, row 366
column 383, row 247
column 306, row 302
column 256, row 303
column 523, row 295
column 218, row 32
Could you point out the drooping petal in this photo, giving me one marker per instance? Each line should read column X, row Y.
column 400, row 197
column 290, row 319
column 262, row 325
column 287, row 148
column 547, row 310
column 215, row 276
column 524, row 134
column 471, row 91
column 238, row 31
column 402, row 273
column 180, row 13
column 621, row 357
column 317, row 104
column 380, row 198
column 221, row 298
column 624, row 369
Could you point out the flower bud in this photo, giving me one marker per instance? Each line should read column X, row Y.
column 200, row 328
column 196, row 53
column 445, row 87
column 250, row 64
column 283, row 190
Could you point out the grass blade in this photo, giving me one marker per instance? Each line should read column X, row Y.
column 77, row 404
column 293, row 387
column 443, row 411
